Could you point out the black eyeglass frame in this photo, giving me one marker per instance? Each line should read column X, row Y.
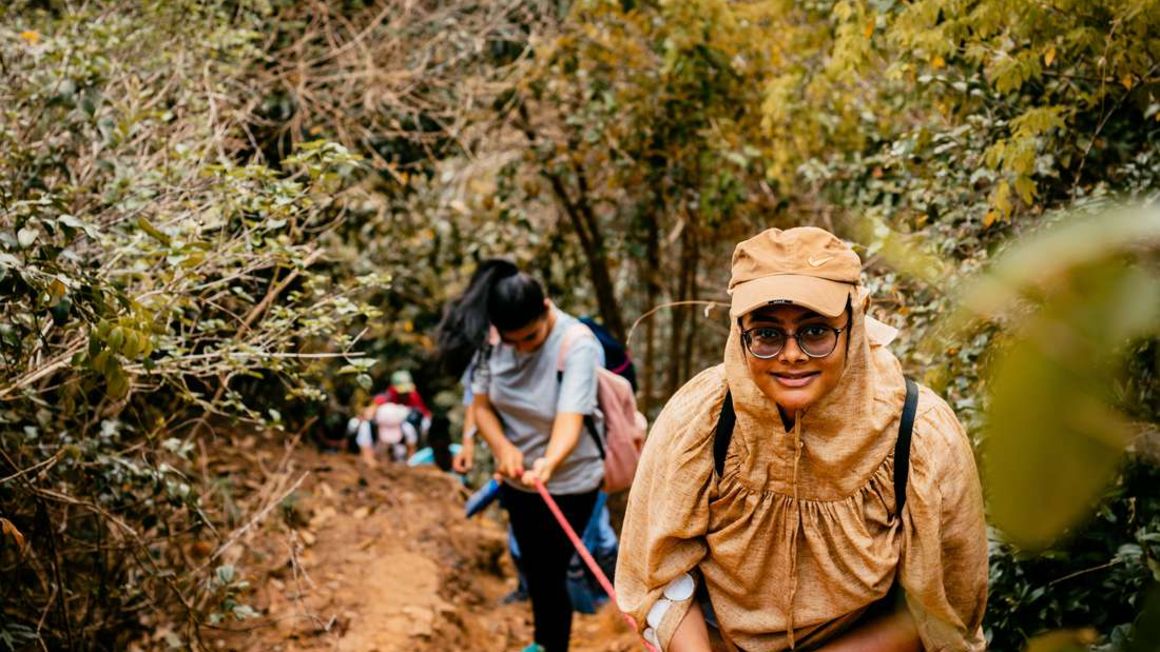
column 746, row 339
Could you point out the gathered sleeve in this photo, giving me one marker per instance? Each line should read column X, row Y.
column 663, row 538
column 944, row 558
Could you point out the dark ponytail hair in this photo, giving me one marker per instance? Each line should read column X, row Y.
column 499, row 293
column 515, row 301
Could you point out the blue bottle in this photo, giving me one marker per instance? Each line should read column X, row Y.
column 482, row 498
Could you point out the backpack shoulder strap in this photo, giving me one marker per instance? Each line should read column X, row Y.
column 574, row 332
column 728, row 418
column 902, row 446
column 724, row 433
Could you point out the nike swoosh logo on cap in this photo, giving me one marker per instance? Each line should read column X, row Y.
column 818, row 262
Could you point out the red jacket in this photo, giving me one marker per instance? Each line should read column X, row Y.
column 410, row 399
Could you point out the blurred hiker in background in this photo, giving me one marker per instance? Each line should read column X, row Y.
column 439, row 451
column 402, row 391
column 533, row 420
column 386, row 430
column 395, row 423
column 805, row 493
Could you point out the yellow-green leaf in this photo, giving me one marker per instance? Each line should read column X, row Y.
column 99, row 362
column 1026, row 189
column 133, row 344
column 117, row 382
column 153, row 231
column 1052, row 390
column 1001, row 198
column 116, row 339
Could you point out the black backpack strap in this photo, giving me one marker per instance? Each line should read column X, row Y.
column 590, row 426
column 728, row 419
column 724, row 433
column 589, row 423
column 902, row 446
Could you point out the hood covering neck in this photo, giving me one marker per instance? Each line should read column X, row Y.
column 811, row 506
column 835, row 445
column 842, row 438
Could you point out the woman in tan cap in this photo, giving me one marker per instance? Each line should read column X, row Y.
column 804, row 494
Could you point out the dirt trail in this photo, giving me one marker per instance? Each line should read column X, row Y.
column 383, row 559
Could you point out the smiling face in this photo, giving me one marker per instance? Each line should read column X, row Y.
column 791, row 378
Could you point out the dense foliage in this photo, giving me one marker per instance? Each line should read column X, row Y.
column 214, row 210
column 1099, row 579
column 152, row 283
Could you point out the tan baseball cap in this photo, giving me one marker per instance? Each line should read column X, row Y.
column 804, row 266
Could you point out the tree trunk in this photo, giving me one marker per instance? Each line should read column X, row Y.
column 583, row 218
column 652, row 278
column 679, row 315
column 691, row 269
column 579, row 212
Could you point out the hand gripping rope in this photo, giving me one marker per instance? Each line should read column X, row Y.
column 586, row 556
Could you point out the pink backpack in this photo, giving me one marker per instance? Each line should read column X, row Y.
column 624, row 425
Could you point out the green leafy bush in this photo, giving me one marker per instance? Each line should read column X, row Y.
column 146, row 274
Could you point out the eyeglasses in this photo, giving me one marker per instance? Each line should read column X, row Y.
column 815, row 340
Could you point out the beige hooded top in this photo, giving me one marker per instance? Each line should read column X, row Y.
column 797, row 537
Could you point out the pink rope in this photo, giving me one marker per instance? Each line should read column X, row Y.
column 582, row 550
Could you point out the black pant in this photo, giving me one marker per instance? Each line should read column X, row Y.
column 544, row 554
